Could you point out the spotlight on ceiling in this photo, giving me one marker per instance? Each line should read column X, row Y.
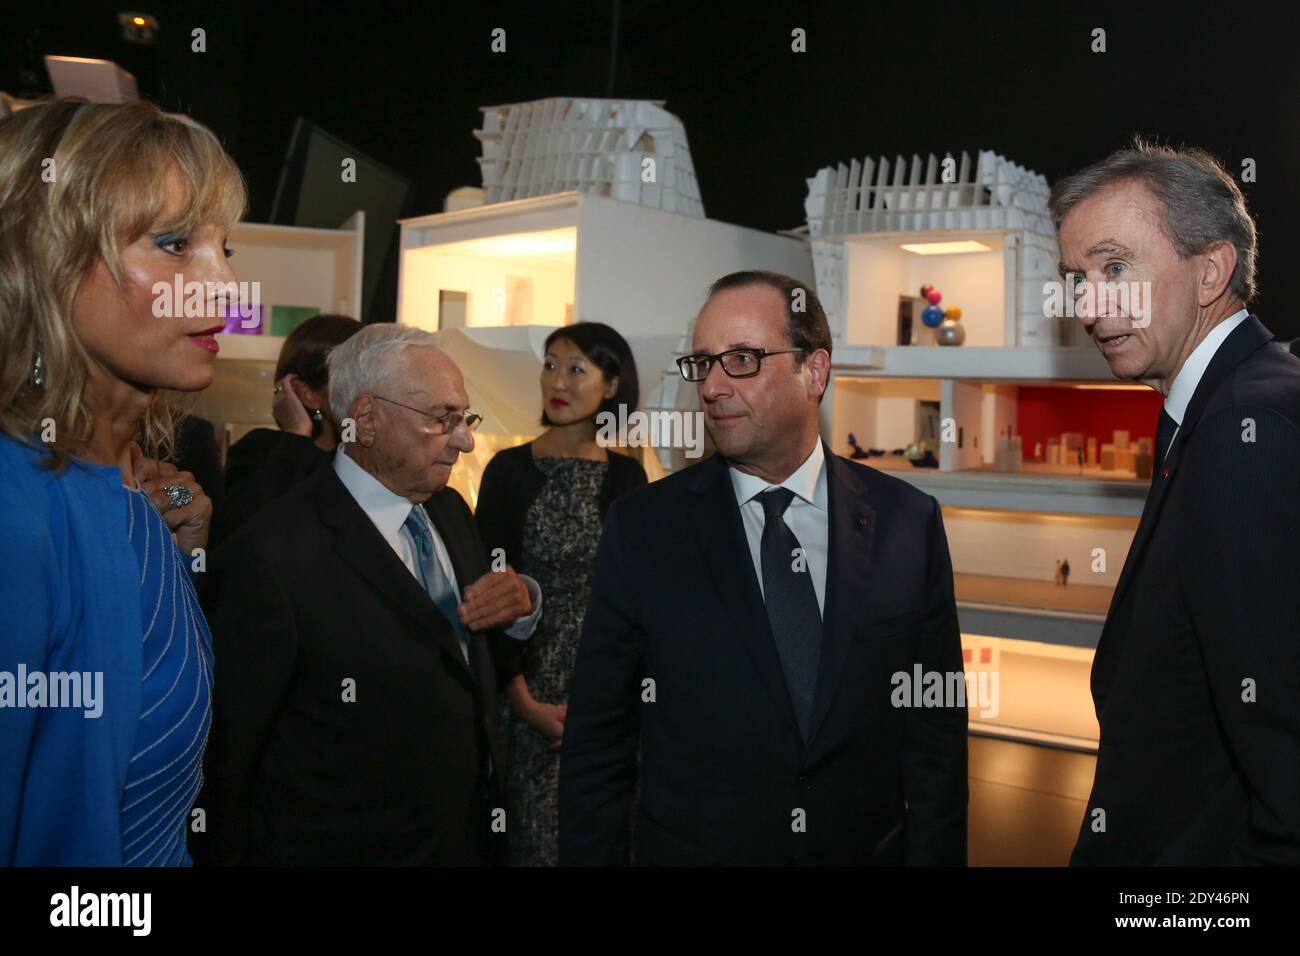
column 138, row 28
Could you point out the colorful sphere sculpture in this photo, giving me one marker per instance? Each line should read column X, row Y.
column 945, row 322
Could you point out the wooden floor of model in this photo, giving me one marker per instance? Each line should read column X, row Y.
column 1026, row 802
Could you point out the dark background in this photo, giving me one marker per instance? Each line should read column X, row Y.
column 403, row 83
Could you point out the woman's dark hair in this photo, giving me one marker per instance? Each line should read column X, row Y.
column 305, row 350
column 610, row 353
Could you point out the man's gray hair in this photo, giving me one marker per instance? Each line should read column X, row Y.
column 1202, row 204
column 365, row 362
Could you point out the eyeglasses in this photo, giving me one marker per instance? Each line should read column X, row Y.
column 738, row 363
column 449, row 422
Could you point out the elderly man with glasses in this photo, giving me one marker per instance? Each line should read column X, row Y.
column 760, row 628
column 355, row 718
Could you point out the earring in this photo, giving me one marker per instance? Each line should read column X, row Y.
column 316, row 416
column 38, row 371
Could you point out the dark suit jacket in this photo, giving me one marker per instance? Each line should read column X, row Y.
column 260, row 467
column 1193, row 769
column 724, row 769
column 306, row 597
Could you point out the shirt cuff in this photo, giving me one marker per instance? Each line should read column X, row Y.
column 524, row 626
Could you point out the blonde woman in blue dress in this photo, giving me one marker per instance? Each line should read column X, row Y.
column 101, row 206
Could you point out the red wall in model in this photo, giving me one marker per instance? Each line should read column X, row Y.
column 1045, row 412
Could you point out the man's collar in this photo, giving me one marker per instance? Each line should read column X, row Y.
column 386, row 510
column 1189, row 376
column 808, row 480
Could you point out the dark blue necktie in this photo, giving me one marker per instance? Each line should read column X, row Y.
column 791, row 604
column 433, row 577
column 1164, row 435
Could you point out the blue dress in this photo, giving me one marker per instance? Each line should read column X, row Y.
column 75, row 545
column 165, row 770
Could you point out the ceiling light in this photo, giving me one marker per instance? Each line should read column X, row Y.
column 945, row 248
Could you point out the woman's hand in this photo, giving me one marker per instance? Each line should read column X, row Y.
column 290, row 413
column 546, row 719
column 190, row 523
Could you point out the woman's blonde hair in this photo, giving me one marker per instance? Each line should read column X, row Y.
column 78, row 181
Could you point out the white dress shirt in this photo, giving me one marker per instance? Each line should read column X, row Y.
column 388, row 512
column 1189, row 376
column 807, row 517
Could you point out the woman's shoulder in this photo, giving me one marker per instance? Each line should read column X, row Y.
column 515, row 458
column 626, row 468
column 26, row 488
column 22, row 473
column 21, row 455
column 30, row 481
column 27, row 468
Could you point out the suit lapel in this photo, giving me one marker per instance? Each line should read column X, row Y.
column 360, row 545
column 1249, row 336
column 851, row 526
column 721, row 537
column 1146, row 526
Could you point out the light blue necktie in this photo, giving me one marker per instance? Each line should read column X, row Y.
column 433, row 577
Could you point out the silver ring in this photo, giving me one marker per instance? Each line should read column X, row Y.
column 178, row 496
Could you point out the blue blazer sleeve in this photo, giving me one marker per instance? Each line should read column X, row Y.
column 69, row 602
column 27, row 571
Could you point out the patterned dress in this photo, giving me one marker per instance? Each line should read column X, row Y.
column 165, row 772
column 561, row 533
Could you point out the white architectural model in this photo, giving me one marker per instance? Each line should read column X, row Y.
column 633, row 150
column 930, row 202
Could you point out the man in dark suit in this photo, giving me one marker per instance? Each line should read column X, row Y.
column 1197, row 675
column 752, row 621
column 355, row 720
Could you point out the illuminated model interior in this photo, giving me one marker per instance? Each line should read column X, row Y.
column 1037, row 450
